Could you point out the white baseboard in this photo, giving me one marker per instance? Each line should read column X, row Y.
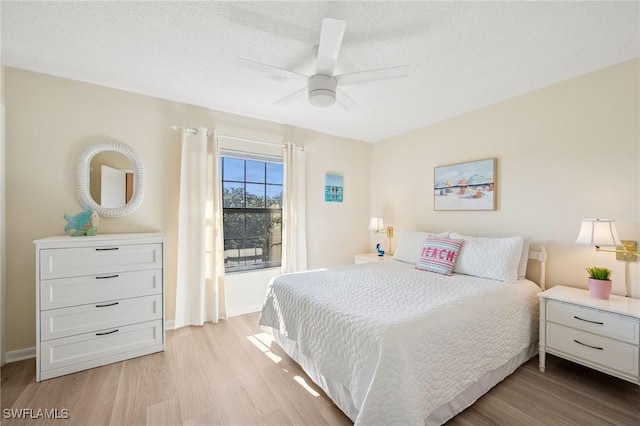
column 169, row 324
column 20, row 354
column 244, row 310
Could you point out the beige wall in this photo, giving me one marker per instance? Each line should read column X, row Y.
column 50, row 120
column 565, row 152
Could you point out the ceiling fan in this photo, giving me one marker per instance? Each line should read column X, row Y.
column 322, row 87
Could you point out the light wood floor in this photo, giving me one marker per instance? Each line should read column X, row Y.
column 230, row 374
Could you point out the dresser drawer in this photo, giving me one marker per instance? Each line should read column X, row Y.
column 77, row 261
column 63, row 292
column 599, row 350
column 84, row 348
column 594, row 321
column 56, row 323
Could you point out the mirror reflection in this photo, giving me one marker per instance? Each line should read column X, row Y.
column 111, row 179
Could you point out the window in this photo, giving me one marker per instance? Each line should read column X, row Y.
column 252, row 212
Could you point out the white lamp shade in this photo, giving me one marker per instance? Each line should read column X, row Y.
column 598, row 232
column 376, row 224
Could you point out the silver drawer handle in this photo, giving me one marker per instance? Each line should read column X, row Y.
column 592, row 322
column 108, row 332
column 589, row 346
column 108, row 276
column 108, row 304
column 107, row 249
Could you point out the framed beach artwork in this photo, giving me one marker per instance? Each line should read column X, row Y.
column 333, row 188
column 465, row 186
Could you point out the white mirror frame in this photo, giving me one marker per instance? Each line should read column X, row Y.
column 82, row 179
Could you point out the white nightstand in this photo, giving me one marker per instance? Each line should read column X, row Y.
column 372, row 257
column 601, row 334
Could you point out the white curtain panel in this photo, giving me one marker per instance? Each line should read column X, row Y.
column 200, row 285
column 294, row 229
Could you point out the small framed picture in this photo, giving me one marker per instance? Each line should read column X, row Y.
column 333, row 188
column 465, row 186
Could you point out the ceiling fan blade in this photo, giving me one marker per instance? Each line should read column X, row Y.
column 298, row 94
column 372, row 75
column 345, row 100
column 330, row 41
column 271, row 70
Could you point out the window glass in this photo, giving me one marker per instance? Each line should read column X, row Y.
column 255, row 171
column 274, row 173
column 233, row 225
column 255, row 196
column 232, row 194
column 232, row 169
column 252, row 193
column 257, row 225
column 274, row 196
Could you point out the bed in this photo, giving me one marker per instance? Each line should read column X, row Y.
column 393, row 344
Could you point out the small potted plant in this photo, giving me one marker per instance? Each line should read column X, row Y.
column 599, row 282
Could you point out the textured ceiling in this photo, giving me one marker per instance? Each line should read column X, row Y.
column 461, row 55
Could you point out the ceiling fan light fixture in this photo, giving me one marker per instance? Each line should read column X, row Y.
column 322, row 98
column 322, row 90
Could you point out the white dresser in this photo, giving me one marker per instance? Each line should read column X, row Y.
column 99, row 299
column 601, row 334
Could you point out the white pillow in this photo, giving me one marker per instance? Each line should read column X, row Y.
column 524, row 258
column 410, row 244
column 488, row 257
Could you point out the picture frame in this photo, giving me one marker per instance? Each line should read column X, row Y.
column 465, row 186
column 333, row 188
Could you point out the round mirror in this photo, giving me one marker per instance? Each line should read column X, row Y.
column 110, row 179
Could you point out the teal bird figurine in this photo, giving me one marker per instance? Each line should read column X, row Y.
column 379, row 250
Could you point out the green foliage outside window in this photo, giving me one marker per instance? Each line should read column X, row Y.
column 252, row 194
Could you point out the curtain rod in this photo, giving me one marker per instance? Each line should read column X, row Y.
column 191, row 130
column 299, row 148
column 194, row 131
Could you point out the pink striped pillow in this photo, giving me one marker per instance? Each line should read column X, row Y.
column 439, row 255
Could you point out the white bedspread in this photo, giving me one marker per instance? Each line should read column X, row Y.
column 402, row 341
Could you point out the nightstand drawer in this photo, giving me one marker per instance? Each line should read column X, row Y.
column 594, row 321
column 593, row 349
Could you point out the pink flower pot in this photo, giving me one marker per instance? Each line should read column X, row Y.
column 600, row 289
